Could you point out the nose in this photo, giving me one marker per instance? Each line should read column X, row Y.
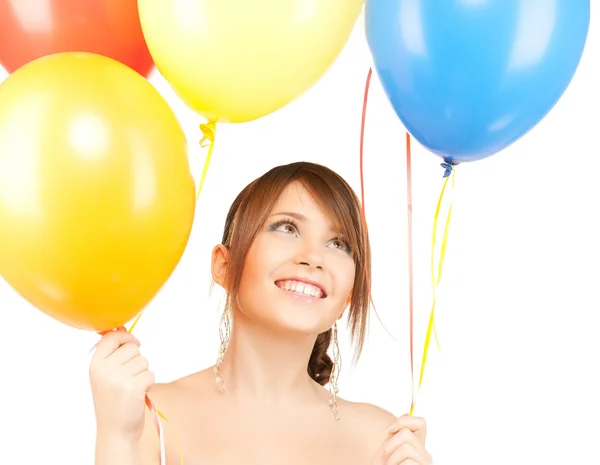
column 310, row 256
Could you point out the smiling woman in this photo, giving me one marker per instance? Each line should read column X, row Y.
column 303, row 221
column 294, row 259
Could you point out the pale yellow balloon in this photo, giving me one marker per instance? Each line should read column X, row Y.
column 238, row 60
column 96, row 195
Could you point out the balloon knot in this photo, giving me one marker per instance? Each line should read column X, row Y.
column 448, row 167
column 208, row 134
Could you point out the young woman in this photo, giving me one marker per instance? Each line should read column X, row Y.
column 294, row 260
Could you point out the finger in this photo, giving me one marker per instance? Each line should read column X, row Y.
column 111, row 341
column 103, row 333
column 405, row 436
column 124, row 354
column 136, row 365
column 406, row 454
column 394, row 442
column 416, row 424
column 146, row 378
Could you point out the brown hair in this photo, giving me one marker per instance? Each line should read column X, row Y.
column 248, row 214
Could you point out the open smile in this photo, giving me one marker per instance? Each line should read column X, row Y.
column 303, row 288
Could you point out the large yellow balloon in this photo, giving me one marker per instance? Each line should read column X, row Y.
column 96, row 196
column 239, row 60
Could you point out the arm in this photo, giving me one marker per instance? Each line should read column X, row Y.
column 112, row 450
column 115, row 451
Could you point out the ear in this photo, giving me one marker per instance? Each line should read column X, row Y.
column 219, row 265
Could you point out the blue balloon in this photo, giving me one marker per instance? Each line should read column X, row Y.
column 469, row 77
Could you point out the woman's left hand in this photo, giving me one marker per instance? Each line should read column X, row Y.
column 405, row 444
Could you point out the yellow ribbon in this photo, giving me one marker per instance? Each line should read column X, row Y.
column 436, row 277
column 209, row 131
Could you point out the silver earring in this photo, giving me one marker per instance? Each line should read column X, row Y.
column 224, row 336
column 335, row 373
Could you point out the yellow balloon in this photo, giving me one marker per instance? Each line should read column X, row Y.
column 96, row 195
column 238, row 60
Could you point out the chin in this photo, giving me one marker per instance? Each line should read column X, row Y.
column 291, row 313
column 295, row 319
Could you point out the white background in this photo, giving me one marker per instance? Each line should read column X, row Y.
column 518, row 377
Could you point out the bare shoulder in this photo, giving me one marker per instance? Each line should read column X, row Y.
column 168, row 396
column 368, row 422
column 170, row 400
column 369, row 416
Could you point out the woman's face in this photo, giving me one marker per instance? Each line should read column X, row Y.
column 299, row 272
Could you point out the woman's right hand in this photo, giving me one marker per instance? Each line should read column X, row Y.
column 119, row 378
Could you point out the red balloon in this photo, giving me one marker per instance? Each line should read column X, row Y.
column 30, row 29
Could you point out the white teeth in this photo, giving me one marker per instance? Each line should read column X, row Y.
column 301, row 288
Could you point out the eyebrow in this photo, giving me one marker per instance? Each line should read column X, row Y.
column 298, row 216
column 301, row 217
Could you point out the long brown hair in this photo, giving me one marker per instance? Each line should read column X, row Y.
column 248, row 214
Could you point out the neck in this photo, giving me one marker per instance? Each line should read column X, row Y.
column 262, row 364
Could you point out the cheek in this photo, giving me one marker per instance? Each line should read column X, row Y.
column 262, row 259
column 349, row 282
column 345, row 278
column 251, row 273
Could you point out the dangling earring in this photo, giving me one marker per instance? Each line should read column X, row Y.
column 224, row 336
column 335, row 373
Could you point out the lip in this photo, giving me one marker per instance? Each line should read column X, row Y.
column 305, row 280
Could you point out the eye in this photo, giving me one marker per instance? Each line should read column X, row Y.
column 341, row 244
column 285, row 226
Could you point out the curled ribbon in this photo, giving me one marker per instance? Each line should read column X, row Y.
column 209, row 131
column 436, row 272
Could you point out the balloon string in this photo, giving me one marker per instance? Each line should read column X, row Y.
column 436, row 275
column 362, row 185
column 135, row 322
column 362, row 143
column 409, row 210
column 209, row 131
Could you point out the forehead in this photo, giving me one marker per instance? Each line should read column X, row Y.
column 296, row 198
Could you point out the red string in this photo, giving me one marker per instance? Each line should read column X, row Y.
column 410, row 228
column 410, row 263
column 362, row 143
column 362, row 182
column 154, row 413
